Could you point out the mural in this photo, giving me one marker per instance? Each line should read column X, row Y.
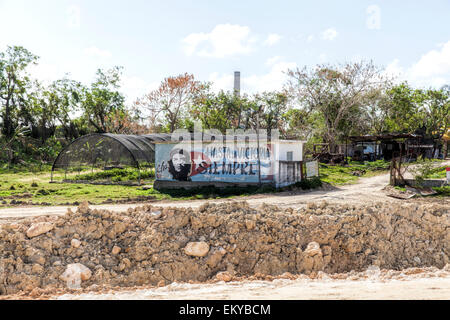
column 212, row 162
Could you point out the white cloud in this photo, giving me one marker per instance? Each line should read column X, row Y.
column 221, row 82
column 272, row 39
column 373, row 21
column 394, row 69
column 223, row 41
column 433, row 63
column 97, row 53
column 310, row 38
column 74, row 17
column 271, row 61
column 274, row 79
column 329, row 34
column 432, row 69
column 135, row 87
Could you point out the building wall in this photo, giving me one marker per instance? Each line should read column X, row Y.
column 215, row 162
column 285, row 146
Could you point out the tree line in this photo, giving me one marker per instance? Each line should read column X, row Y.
column 324, row 103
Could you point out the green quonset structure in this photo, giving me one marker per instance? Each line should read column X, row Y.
column 106, row 152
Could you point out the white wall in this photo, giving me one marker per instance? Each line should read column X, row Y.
column 283, row 146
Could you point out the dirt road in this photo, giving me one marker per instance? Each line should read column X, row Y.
column 367, row 189
column 433, row 284
column 282, row 289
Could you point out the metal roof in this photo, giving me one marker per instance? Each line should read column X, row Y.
column 128, row 149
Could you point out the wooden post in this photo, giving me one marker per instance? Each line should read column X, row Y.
column 257, row 141
column 302, row 174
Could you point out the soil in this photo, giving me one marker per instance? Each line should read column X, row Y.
column 359, row 243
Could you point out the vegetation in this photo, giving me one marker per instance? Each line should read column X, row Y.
column 338, row 175
column 116, row 175
column 325, row 103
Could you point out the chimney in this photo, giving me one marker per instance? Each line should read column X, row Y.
column 237, row 82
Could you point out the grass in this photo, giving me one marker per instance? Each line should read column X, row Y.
column 17, row 186
column 441, row 191
column 436, row 173
column 116, row 175
column 339, row 175
column 23, row 184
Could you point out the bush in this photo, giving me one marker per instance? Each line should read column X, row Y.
column 116, row 175
column 309, row 183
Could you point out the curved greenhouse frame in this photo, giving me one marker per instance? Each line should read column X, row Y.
column 107, row 158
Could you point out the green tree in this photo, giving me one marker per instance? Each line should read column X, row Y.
column 222, row 110
column 14, row 86
column 338, row 93
column 102, row 100
column 402, row 109
column 435, row 107
column 272, row 107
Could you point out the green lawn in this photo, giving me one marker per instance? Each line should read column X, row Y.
column 25, row 184
column 36, row 187
column 339, row 175
column 20, row 187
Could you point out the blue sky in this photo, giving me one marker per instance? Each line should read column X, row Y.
column 212, row 39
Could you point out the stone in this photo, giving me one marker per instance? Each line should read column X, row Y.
column 75, row 243
column 313, row 249
column 39, row 228
column 74, row 274
column 224, row 276
column 115, row 250
column 197, row 249
column 37, row 268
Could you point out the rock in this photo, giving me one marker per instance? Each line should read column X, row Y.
column 37, row 268
column 74, row 274
column 75, row 243
column 115, row 250
column 39, row 228
column 313, row 249
column 161, row 283
column 197, row 249
column 224, row 276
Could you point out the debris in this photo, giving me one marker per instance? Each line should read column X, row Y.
column 39, row 228
column 197, row 249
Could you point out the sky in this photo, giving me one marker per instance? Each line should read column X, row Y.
column 211, row 39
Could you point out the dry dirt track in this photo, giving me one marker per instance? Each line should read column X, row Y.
column 436, row 285
column 282, row 289
column 367, row 189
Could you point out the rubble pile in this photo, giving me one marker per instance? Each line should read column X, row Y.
column 156, row 246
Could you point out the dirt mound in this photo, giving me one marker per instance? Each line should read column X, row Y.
column 154, row 246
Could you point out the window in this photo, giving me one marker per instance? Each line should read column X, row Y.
column 289, row 156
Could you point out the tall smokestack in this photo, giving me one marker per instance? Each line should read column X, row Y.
column 237, row 82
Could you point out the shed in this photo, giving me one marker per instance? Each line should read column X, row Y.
column 238, row 161
column 105, row 152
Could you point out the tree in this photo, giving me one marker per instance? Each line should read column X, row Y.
column 14, row 85
column 435, row 106
column 402, row 109
column 103, row 100
column 272, row 106
column 170, row 102
column 338, row 93
column 222, row 110
column 67, row 94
